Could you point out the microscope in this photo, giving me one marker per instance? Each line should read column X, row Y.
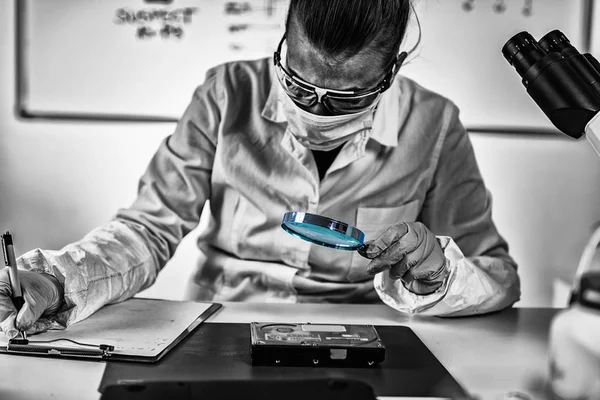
column 565, row 84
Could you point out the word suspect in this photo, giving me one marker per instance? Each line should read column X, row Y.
column 151, row 23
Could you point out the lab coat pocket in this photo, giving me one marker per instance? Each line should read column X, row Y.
column 373, row 221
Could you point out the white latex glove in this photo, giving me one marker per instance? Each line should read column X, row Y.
column 410, row 252
column 43, row 296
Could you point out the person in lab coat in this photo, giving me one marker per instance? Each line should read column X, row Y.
column 326, row 126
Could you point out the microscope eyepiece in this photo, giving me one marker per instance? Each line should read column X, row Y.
column 585, row 64
column 522, row 51
column 555, row 41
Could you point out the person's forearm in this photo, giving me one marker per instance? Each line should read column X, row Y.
column 108, row 265
column 475, row 285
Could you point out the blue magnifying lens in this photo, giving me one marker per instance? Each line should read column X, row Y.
column 323, row 231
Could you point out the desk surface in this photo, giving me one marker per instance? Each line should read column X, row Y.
column 489, row 355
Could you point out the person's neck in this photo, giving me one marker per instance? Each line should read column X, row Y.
column 324, row 159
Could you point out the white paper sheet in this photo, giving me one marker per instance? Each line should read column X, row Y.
column 136, row 327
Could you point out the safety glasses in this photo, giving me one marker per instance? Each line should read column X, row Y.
column 335, row 101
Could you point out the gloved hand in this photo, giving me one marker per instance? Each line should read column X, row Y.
column 410, row 252
column 43, row 296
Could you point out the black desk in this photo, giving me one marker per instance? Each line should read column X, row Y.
column 219, row 351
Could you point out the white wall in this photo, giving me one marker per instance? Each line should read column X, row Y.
column 58, row 180
column 546, row 200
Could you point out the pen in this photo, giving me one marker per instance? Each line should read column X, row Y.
column 13, row 275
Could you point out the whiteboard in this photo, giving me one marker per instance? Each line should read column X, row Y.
column 115, row 59
column 141, row 60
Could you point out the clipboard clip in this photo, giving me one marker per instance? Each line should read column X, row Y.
column 25, row 346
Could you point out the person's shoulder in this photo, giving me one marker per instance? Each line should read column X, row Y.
column 240, row 71
column 423, row 99
column 238, row 81
column 422, row 106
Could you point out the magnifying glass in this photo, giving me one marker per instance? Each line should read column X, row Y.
column 323, row 231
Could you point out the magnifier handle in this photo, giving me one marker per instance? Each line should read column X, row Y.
column 361, row 250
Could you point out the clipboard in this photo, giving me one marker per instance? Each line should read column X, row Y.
column 135, row 330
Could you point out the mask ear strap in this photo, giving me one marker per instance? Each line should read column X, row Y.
column 400, row 60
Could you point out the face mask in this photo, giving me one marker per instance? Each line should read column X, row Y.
column 325, row 133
